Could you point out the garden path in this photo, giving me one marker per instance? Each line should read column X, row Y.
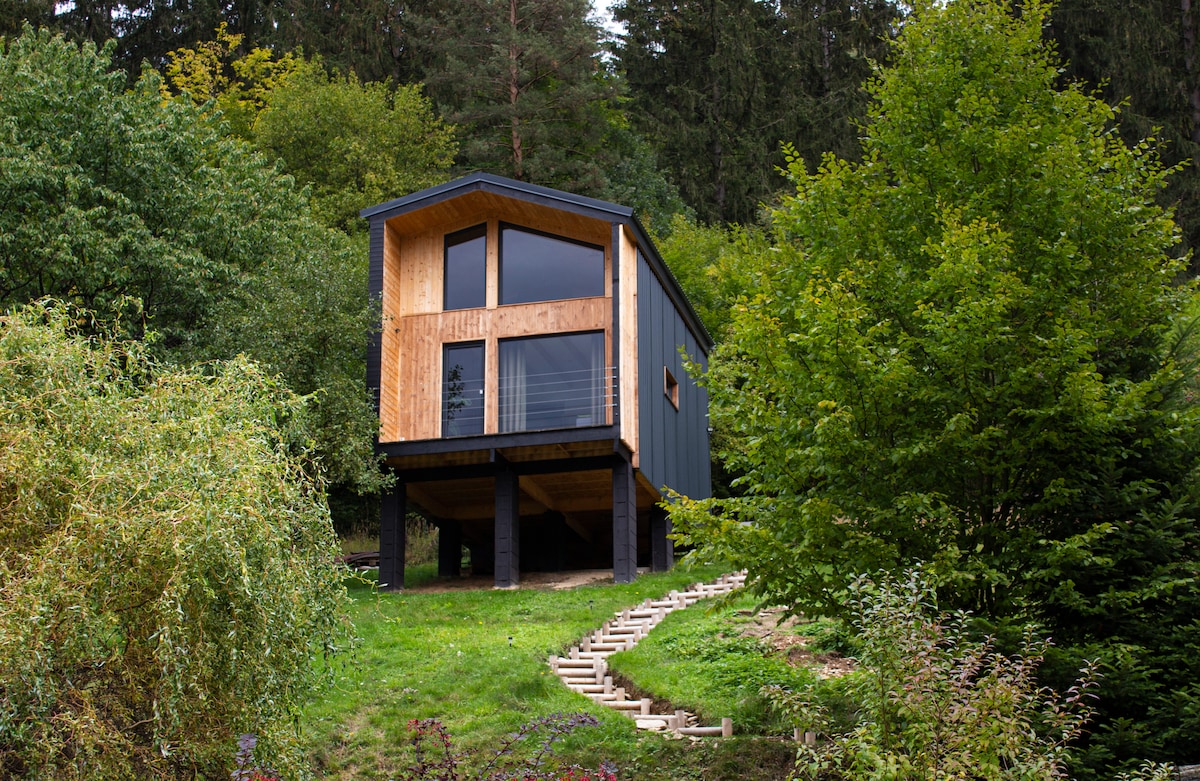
column 585, row 667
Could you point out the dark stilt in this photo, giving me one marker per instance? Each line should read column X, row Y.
column 508, row 530
column 391, row 538
column 662, row 549
column 624, row 524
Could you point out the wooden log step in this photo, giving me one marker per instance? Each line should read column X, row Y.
column 723, row 731
column 584, row 668
column 589, row 688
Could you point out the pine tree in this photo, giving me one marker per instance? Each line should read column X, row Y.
column 1144, row 56
column 523, row 80
column 719, row 85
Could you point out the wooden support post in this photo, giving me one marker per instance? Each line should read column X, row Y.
column 624, row 523
column 662, row 550
column 391, row 538
column 726, row 727
column 508, row 529
column 449, row 549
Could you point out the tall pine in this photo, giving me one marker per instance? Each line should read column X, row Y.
column 522, row 78
column 719, row 85
column 1143, row 56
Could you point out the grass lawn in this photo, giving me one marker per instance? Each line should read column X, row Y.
column 448, row 656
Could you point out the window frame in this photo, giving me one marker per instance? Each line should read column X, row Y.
column 457, row 238
column 502, row 226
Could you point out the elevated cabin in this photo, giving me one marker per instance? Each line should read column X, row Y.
column 532, row 396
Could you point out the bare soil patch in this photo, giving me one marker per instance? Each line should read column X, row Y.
column 784, row 634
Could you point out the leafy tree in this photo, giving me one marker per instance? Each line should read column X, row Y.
column 113, row 193
column 167, row 564
column 708, row 261
column 354, row 144
column 718, row 85
column 959, row 351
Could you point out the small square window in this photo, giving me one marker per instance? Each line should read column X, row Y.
column 670, row 387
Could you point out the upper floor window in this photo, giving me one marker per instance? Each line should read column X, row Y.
column 465, row 273
column 538, row 267
column 462, row 389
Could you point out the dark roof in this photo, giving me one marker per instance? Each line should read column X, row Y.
column 557, row 199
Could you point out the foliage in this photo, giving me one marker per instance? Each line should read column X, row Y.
column 116, row 193
column 237, row 86
column 700, row 660
column 166, row 563
column 353, row 144
column 960, row 351
column 1143, row 56
column 708, row 261
column 112, row 192
column 717, row 85
column 523, row 81
column 939, row 703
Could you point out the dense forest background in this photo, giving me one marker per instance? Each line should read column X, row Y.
column 191, row 171
column 683, row 116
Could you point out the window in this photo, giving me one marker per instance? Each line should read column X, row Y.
column 539, row 267
column 462, row 389
column 465, row 272
column 670, row 387
column 552, row 382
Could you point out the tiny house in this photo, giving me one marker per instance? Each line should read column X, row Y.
column 530, row 382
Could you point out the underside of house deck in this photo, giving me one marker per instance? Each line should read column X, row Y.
column 533, row 501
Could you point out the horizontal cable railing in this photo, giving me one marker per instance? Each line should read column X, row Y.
column 559, row 399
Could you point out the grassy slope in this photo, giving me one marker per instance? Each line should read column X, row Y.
column 447, row 655
column 699, row 660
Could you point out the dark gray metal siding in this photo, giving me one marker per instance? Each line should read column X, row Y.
column 375, row 291
column 673, row 444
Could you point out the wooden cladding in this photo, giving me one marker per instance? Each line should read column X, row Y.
column 419, row 340
column 417, row 328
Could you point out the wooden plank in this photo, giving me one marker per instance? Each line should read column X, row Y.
column 628, row 266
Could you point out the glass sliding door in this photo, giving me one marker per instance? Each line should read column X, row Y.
column 553, row 382
column 462, row 389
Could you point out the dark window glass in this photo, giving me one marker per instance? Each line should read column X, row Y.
column 462, row 390
column 537, row 267
column 552, row 382
column 466, row 269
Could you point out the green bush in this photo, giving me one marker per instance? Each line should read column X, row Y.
column 167, row 573
column 937, row 702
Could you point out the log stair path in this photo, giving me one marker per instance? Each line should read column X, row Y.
column 585, row 667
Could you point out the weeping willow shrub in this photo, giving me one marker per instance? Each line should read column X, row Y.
column 167, row 573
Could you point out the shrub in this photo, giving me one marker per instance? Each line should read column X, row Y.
column 436, row 759
column 167, row 568
column 938, row 703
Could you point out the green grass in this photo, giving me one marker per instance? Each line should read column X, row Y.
column 448, row 656
column 698, row 659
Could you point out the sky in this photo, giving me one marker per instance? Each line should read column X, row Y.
column 601, row 8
